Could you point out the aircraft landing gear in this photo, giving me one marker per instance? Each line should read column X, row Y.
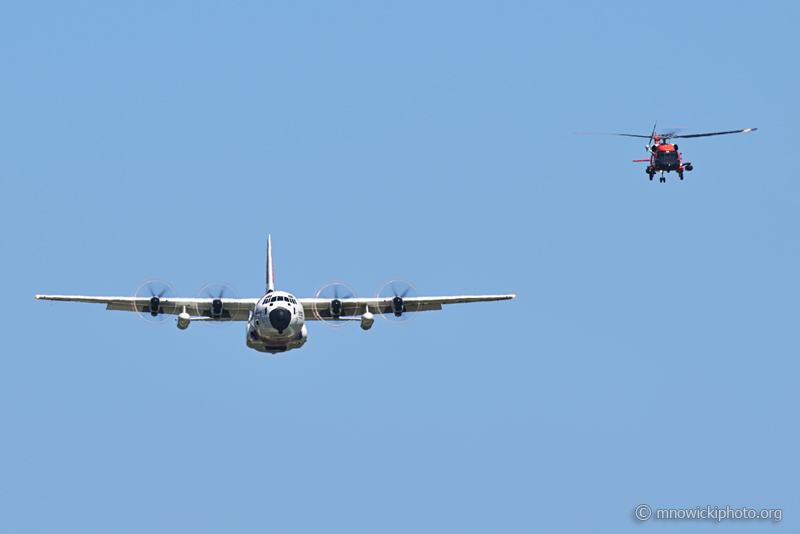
column 681, row 175
column 650, row 172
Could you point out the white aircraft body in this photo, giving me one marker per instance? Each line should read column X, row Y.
column 275, row 321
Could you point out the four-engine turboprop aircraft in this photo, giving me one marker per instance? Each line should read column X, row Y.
column 275, row 321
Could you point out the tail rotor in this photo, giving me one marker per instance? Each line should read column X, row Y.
column 652, row 138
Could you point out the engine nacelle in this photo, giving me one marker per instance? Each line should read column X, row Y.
column 154, row 306
column 336, row 308
column 367, row 320
column 397, row 306
column 184, row 319
column 216, row 308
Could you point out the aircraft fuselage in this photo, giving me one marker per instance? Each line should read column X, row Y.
column 277, row 324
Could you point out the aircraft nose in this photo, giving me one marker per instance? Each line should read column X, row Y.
column 280, row 319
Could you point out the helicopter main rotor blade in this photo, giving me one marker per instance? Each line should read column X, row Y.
column 603, row 133
column 715, row 133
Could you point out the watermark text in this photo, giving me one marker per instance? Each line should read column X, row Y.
column 643, row 512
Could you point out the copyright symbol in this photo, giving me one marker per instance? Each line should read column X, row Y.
column 643, row 512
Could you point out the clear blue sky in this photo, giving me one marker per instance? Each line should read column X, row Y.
column 651, row 356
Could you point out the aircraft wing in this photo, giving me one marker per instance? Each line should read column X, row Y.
column 232, row 309
column 239, row 309
column 318, row 309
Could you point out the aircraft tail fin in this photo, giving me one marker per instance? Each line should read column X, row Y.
column 270, row 271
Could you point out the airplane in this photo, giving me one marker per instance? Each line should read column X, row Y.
column 276, row 320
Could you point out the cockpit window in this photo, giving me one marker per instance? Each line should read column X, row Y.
column 279, row 298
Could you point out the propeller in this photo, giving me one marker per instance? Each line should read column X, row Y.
column 217, row 292
column 626, row 135
column 328, row 304
column 156, row 292
column 649, row 138
column 715, row 133
column 670, row 131
column 669, row 135
column 398, row 310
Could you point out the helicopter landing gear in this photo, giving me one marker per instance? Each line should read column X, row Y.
column 650, row 172
column 662, row 179
column 680, row 174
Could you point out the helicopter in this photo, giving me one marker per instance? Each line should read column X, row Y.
column 664, row 155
